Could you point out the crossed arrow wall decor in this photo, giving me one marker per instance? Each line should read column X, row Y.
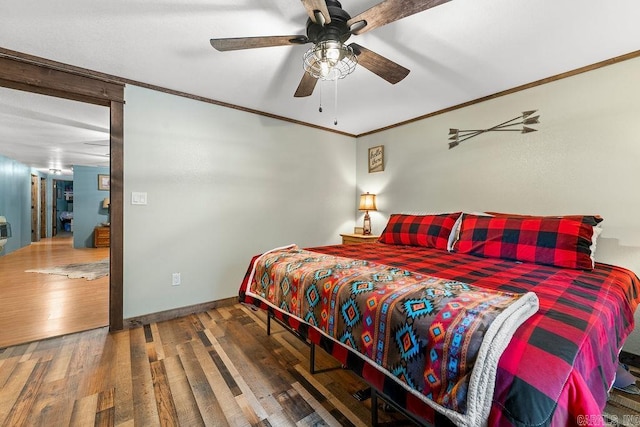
column 461, row 135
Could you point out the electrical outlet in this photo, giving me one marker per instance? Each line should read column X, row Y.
column 175, row 279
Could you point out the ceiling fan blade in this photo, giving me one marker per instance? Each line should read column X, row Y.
column 389, row 11
column 254, row 42
column 306, row 86
column 378, row 64
column 315, row 7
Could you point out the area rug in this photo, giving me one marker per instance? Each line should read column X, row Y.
column 89, row 271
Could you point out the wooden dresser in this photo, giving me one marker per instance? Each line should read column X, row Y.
column 354, row 239
column 101, row 237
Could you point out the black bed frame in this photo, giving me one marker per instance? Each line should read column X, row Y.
column 359, row 395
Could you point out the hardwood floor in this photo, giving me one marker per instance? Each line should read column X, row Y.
column 623, row 409
column 35, row 306
column 215, row 368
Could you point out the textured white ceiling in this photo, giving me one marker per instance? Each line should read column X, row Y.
column 457, row 52
column 52, row 133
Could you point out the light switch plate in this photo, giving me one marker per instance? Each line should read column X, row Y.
column 138, row 198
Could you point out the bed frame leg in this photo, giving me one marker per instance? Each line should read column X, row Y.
column 374, row 407
column 312, row 358
column 268, row 324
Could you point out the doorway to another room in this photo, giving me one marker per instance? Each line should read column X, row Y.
column 48, row 138
column 60, row 305
column 62, row 207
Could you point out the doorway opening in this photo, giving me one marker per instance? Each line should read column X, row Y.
column 62, row 198
column 39, row 75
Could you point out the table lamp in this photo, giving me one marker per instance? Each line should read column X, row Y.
column 106, row 204
column 367, row 203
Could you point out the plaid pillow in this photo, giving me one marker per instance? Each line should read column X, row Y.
column 592, row 220
column 561, row 242
column 430, row 231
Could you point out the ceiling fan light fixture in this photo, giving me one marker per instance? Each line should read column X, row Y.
column 330, row 60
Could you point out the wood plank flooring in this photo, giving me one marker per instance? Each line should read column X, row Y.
column 623, row 409
column 216, row 368
column 35, row 306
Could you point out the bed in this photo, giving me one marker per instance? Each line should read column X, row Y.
column 559, row 361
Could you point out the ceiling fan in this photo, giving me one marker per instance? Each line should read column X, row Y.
column 328, row 28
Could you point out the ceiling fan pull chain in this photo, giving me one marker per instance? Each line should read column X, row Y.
column 320, row 108
column 335, row 106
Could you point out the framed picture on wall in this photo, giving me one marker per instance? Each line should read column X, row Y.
column 376, row 159
column 104, row 182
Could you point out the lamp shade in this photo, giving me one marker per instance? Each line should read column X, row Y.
column 367, row 202
column 106, row 202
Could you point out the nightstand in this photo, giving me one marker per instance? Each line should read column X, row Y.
column 101, row 237
column 354, row 239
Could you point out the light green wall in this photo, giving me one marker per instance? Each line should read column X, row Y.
column 222, row 185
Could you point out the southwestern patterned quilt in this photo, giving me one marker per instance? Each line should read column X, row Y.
column 441, row 339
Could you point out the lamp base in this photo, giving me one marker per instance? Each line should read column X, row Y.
column 366, row 227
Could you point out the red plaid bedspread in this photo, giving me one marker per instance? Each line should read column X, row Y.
column 560, row 363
